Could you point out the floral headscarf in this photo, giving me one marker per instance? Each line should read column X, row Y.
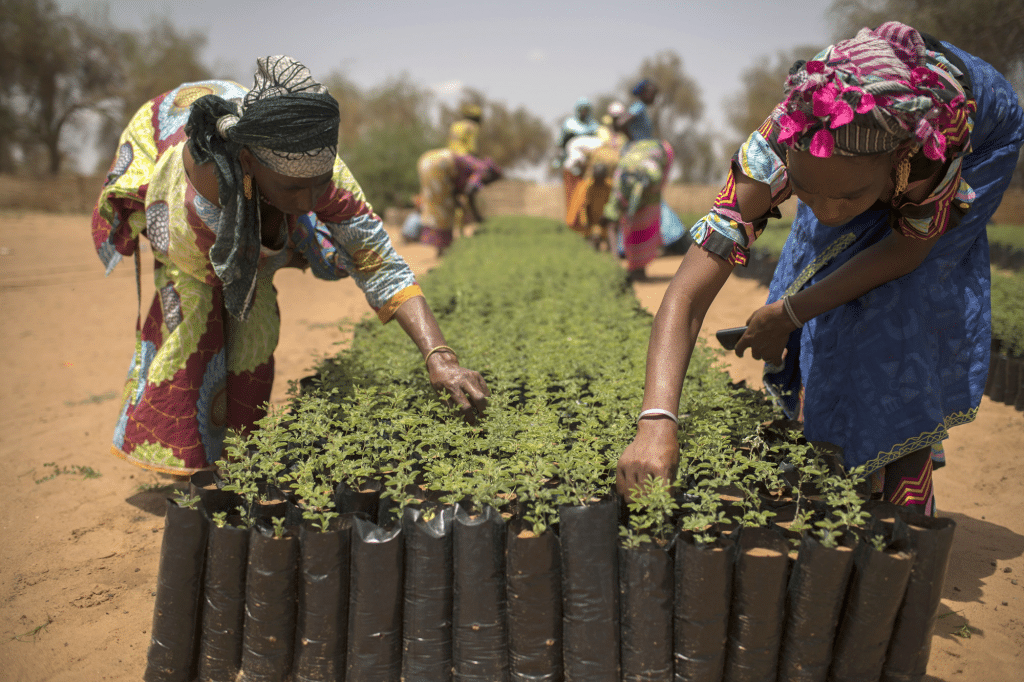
column 871, row 94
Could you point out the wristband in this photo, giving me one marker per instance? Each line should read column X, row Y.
column 789, row 311
column 660, row 412
column 440, row 349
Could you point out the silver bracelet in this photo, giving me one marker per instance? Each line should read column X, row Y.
column 789, row 311
column 658, row 411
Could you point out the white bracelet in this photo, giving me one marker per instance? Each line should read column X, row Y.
column 789, row 311
column 658, row 411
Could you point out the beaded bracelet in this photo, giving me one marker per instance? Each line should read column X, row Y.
column 789, row 311
column 440, row 349
column 658, row 411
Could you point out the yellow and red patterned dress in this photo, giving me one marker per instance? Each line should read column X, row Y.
column 197, row 371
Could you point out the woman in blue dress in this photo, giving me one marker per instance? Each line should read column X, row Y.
column 877, row 327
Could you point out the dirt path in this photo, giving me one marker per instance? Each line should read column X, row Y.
column 79, row 555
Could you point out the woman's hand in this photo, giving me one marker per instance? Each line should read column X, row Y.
column 654, row 452
column 768, row 330
column 466, row 388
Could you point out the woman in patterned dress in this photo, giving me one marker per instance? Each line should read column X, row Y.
column 446, row 178
column 229, row 185
column 634, row 206
column 877, row 326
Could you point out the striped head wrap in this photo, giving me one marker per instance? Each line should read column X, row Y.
column 870, row 95
column 290, row 123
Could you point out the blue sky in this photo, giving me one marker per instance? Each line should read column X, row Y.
column 539, row 55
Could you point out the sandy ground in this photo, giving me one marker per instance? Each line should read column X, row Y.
column 79, row 555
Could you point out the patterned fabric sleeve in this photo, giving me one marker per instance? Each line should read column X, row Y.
column 722, row 231
column 118, row 218
column 350, row 238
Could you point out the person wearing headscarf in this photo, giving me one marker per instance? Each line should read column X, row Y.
column 586, row 207
column 898, row 147
column 229, row 185
column 463, row 133
column 607, row 132
column 635, row 122
column 581, row 124
column 447, row 181
column 634, row 205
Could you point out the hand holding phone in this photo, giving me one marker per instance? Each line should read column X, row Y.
column 730, row 337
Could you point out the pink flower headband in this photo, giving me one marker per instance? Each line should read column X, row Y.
column 860, row 97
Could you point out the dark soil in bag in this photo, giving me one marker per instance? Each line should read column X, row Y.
column 479, row 646
column 646, row 594
column 590, row 589
column 817, row 587
column 910, row 645
column 704, row 576
column 533, row 583
column 227, row 551
column 173, row 644
column 270, row 599
column 365, row 500
column 877, row 585
column 321, row 629
column 375, row 603
column 427, row 613
column 758, row 606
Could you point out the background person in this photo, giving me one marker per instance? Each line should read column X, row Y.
column 636, row 122
column 634, row 207
column 446, row 180
column 581, row 123
column 877, row 326
column 228, row 186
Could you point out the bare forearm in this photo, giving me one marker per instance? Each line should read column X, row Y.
column 418, row 321
column 676, row 326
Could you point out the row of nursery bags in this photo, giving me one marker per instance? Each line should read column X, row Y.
column 472, row 597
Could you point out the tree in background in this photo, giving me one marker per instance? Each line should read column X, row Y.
column 383, row 133
column 762, row 89
column 990, row 29
column 153, row 62
column 510, row 137
column 159, row 60
column 56, row 67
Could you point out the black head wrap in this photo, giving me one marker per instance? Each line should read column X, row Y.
column 290, row 123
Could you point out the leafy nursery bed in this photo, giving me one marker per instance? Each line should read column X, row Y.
column 365, row 533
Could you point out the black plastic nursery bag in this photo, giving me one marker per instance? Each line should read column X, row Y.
column 427, row 612
column 534, row 593
column 758, row 606
column 375, row 603
column 227, row 550
column 704, row 576
column 910, row 645
column 590, row 587
column 646, row 594
column 172, row 645
column 321, row 628
column 268, row 643
column 479, row 646
column 877, row 586
column 817, row 588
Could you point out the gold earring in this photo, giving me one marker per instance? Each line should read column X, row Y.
column 247, row 185
column 902, row 176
